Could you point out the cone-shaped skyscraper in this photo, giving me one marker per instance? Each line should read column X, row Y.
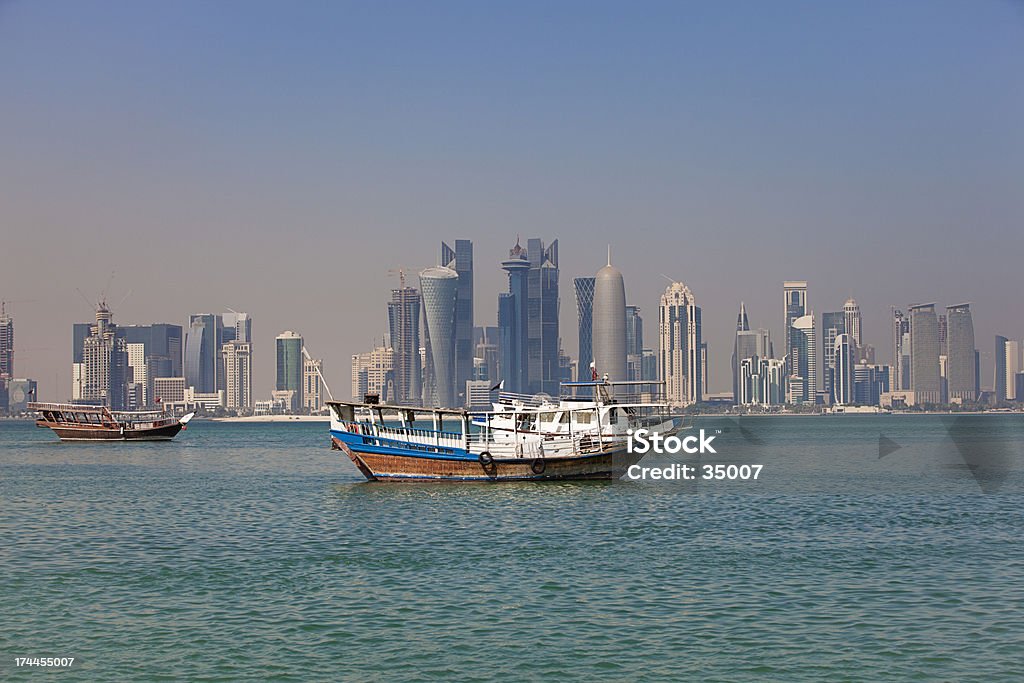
column 609, row 323
column 439, row 286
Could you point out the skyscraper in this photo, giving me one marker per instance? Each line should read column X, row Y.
column 833, row 324
column 542, row 365
column 924, row 354
column 585, row 315
column 289, row 365
column 404, row 328
column 795, row 296
column 237, row 361
column 851, row 319
column 755, row 344
column 610, row 323
column 960, row 378
column 1007, row 367
column 512, row 321
column 634, row 331
column 742, row 325
column 238, row 374
column 153, row 351
column 803, row 364
column 105, row 363
column 241, row 325
column 460, row 259
column 312, row 396
column 900, row 351
column 203, row 361
column 679, row 327
column 372, row 372
column 1000, row 369
column 844, row 365
column 6, row 344
column 439, row 286
column 634, row 343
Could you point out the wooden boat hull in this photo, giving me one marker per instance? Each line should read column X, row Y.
column 377, row 465
column 69, row 433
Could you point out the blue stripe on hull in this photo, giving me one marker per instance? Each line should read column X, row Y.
column 358, row 443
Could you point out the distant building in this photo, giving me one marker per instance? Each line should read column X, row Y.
column 312, row 395
column 680, row 336
column 634, row 343
column 803, row 365
column 851, row 322
column 512, row 322
column 372, row 372
column 286, row 400
column 460, row 260
column 487, row 354
column 795, row 306
column 238, row 374
column 1000, row 384
column 404, row 328
column 19, row 393
column 960, row 367
column 289, row 367
column 543, row 367
column 105, row 363
column 153, row 351
column 439, row 287
column 203, row 366
column 925, row 380
column 761, row 381
column 6, row 344
column 1013, row 367
column 609, row 331
column 833, row 324
column 901, row 351
column 748, row 344
column 203, row 401
column 843, row 376
column 584, row 287
column 870, row 382
column 168, row 390
column 479, row 393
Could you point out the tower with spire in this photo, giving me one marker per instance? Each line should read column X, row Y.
column 609, row 322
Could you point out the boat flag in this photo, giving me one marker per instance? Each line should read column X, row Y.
column 593, row 371
column 499, row 386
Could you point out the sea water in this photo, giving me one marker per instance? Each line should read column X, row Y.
column 869, row 548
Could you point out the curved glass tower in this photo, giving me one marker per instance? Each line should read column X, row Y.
column 439, row 287
column 609, row 324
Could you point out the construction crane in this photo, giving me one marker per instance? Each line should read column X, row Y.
column 400, row 272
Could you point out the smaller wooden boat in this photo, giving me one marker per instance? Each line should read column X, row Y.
column 73, row 422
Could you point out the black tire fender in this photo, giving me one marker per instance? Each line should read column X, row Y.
column 538, row 466
column 486, row 459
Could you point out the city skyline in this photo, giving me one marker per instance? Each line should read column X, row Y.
column 695, row 148
column 723, row 384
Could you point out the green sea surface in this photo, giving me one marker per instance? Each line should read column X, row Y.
column 870, row 548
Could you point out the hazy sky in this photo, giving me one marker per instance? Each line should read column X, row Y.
column 279, row 158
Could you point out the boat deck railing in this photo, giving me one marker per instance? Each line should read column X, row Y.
column 522, row 444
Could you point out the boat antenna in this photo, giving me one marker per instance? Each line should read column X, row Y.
column 609, row 254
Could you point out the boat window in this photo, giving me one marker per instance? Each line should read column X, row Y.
column 584, row 417
column 547, row 417
column 563, row 418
